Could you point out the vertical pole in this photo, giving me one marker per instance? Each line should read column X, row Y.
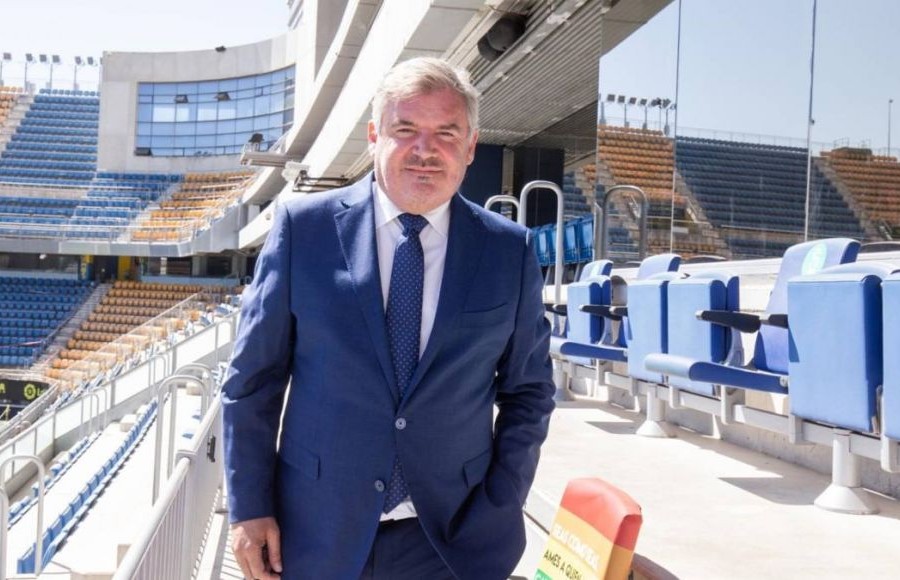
column 890, row 104
column 809, row 124
column 675, row 130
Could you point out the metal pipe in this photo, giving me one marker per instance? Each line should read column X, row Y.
column 642, row 222
column 167, row 386
column 504, row 199
column 39, row 540
column 560, row 225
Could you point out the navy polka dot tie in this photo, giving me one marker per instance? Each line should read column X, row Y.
column 404, row 326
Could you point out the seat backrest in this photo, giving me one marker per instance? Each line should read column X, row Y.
column 771, row 350
column 890, row 400
column 647, row 329
column 697, row 339
column 583, row 327
column 657, row 264
column 836, row 367
column 596, row 268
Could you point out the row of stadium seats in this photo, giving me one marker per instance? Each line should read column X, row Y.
column 32, row 309
column 67, row 92
column 56, row 533
column 683, row 332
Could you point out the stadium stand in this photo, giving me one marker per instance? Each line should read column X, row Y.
column 55, row 144
column 33, row 309
column 735, row 183
column 873, row 182
column 130, row 318
column 201, row 199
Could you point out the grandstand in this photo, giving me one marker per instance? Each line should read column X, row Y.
column 131, row 218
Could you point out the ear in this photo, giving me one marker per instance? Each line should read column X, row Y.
column 470, row 155
column 372, row 135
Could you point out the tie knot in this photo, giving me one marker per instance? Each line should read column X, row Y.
column 412, row 224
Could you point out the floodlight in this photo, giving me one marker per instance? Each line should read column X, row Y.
column 29, row 57
column 621, row 99
column 655, row 102
column 610, row 98
column 55, row 59
column 90, row 60
column 643, row 102
column 666, row 103
column 632, row 100
column 78, row 60
column 42, row 58
column 7, row 56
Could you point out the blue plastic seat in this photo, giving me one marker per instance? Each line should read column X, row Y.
column 768, row 368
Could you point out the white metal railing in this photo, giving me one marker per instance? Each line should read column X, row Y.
column 170, row 545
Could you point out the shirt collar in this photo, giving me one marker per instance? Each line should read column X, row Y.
column 386, row 212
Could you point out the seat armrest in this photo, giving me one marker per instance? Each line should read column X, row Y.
column 741, row 321
column 619, row 311
column 779, row 320
column 556, row 308
column 601, row 310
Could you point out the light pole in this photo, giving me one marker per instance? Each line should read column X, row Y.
column 890, row 104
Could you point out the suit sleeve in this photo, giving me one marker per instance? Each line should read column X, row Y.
column 525, row 392
column 253, row 393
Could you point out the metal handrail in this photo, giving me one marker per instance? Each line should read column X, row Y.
column 504, row 198
column 167, row 387
column 4, row 516
column 604, row 224
column 560, row 226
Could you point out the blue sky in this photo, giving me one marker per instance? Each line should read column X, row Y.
column 744, row 66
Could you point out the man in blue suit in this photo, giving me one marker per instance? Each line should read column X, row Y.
column 401, row 315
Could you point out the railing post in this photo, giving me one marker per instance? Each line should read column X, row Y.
column 560, row 226
column 4, row 520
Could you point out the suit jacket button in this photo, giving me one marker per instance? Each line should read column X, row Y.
column 400, row 424
column 379, row 485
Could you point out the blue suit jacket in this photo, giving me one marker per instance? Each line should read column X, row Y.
column 314, row 317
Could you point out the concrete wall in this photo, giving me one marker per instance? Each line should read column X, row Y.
column 122, row 71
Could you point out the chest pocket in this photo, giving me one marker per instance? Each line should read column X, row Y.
column 482, row 318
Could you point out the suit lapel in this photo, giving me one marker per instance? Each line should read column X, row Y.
column 464, row 247
column 356, row 232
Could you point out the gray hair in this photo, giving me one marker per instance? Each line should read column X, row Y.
column 422, row 75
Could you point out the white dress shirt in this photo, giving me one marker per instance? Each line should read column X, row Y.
column 433, row 237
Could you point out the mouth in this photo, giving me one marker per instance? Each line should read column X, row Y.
column 423, row 169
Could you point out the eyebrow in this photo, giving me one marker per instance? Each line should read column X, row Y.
column 405, row 123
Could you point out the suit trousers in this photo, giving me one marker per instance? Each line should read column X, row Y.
column 401, row 551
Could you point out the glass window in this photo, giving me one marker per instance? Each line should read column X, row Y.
column 227, row 109
column 163, row 113
column 245, row 108
column 187, row 88
column 206, row 111
column 243, row 125
column 165, row 89
column 145, row 113
column 190, row 118
column 185, row 128
column 225, row 127
column 163, row 129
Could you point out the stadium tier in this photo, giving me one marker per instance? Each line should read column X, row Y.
column 872, row 181
column 32, row 310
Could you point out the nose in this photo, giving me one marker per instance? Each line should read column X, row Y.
column 424, row 144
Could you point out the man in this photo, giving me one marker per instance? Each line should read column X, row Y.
column 401, row 314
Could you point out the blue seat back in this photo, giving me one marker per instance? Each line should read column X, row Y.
column 771, row 349
column 570, row 242
column 583, row 327
column 697, row 339
column 646, row 328
column 890, row 400
column 586, row 238
column 596, row 268
column 836, row 344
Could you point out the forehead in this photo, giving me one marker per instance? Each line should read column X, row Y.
column 443, row 106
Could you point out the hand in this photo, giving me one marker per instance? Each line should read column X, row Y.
column 257, row 548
